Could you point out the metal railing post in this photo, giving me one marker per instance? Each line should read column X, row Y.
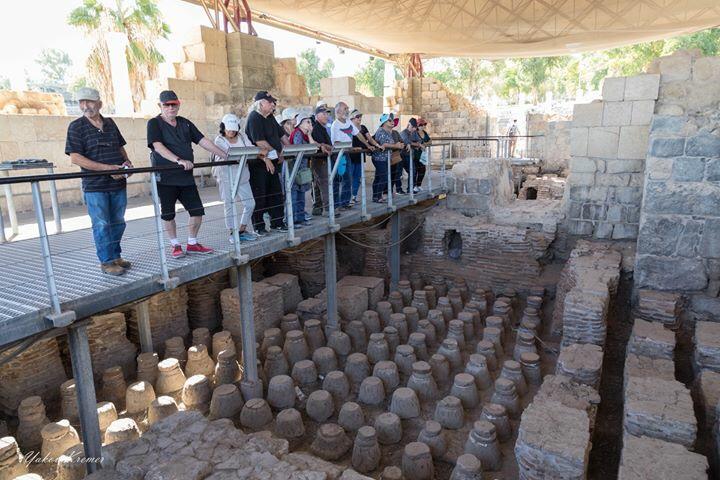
column 332, row 172
column 167, row 282
column 389, row 180
column 239, row 154
column 363, row 192
column 428, row 168
column 231, row 182
column 289, row 204
column 45, row 246
column 12, row 214
column 3, row 239
column 55, row 203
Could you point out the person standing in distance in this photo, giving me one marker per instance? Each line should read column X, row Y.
column 170, row 138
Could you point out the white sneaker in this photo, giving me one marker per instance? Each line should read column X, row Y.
column 416, row 189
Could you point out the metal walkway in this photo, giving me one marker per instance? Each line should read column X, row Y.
column 83, row 288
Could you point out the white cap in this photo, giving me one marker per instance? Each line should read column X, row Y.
column 300, row 117
column 289, row 113
column 231, row 122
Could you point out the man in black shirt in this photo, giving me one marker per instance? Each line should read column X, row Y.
column 321, row 136
column 95, row 143
column 266, row 133
column 170, row 137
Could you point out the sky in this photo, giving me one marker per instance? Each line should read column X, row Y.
column 34, row 26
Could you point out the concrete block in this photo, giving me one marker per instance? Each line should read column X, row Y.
column 587, row 114
column 613, row 89
column 616, row 113
column 642, row 87
column 603, row 142
column 633, row 142
column 642, row 112
column 579, row 141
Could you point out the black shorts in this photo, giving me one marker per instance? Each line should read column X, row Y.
column 188, row 196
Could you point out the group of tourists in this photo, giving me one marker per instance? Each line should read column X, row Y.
column 95, row 143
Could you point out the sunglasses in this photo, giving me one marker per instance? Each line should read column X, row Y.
column 168, row 105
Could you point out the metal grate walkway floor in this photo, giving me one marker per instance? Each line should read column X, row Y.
column 82, row 287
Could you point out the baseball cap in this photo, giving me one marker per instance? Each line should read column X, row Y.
column 264, row 95
column 168, row 96
column 231, row 122
column 87, row 93
column 322, row 108
column 421, row 121
column 300, row 117
column 413, row 122
column 355, row 113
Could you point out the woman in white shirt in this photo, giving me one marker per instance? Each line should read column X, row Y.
column 231, row 135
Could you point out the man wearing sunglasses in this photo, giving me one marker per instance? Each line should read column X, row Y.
column 94, row 143
column 170, row 137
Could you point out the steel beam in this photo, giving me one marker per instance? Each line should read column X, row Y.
column 87, row 402
column 331, row 283
column 247, row 328
column 394, row 251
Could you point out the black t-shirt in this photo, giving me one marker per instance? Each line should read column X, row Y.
column 101, row 146
column 264, row 128
column 357, row 157
column 178, row 140
column 320, row 135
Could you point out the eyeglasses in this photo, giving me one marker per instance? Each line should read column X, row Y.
column 170, row 105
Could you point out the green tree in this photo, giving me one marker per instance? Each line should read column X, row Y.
column 54, row 65
column 370, row 78
column 141, row 21
column 708, row 41
column 308, row 66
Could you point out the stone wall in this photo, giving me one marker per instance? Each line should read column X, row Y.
column 342, row 89
column 251, row 64
column 478, row 184
column 555, row 141
column 679, row 241
column 608, row 143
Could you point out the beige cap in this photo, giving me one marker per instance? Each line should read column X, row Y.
column 87, row 93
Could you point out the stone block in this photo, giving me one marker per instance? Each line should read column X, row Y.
column 290, row 287
column 374, row 285
column 707, row 346
column 659, row 409
column 668, row 125
column 633, row 142
column 202, row 34
column 559, row 388
column 613, row 89
column 624, row 165
column 616, row 113
column 713, row 170
column 707, row 386
column 658, row 168
column 642, row 112
column 667, row 147
column 703, row 144
column 642, row 87
column 581, row 363
column 267, row 309
column 580, row 227
column 352, row 301
column 311, row 308
column 580, row 178
column 710, row 244
column 645, row 458
column 705, row 68
column 603, row 142
column 666, row 273
column 553, row 442
column 587, row 114
column 625, row 231
column 663, row 307
column 579, row 141
column 688, row 169
column 646, row 367
column 200, row 52
column 675, row 67
column 651, row 340
column 582, row 165
column 613, row 179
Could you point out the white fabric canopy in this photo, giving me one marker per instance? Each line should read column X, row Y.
column 487, row 28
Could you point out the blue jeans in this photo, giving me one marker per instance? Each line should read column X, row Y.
column 107, row 212
column 346, row 184
column 356, row 172
column 380, row 183
column 298, row 204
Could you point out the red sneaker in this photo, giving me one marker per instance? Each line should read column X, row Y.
column 177, row 251
column 198, row 248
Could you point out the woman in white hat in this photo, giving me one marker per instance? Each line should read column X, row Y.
column 231, row 135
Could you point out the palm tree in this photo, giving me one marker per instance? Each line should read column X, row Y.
column 141, row 21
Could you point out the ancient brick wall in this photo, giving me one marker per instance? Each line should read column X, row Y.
column 555, row 144
column 679, row 241
column 608, row 143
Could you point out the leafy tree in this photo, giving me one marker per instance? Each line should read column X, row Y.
column 708, row 41
column 371, row 77
column 4, row 83
column 308, row 66
column 141, row 21
column 54, row 65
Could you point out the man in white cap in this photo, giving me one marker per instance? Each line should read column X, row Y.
column 94, row 143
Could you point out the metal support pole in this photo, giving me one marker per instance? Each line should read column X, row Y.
column 289, row 207
column 331, row 283
column 142, row 312
column 389, row 181
column 442, row 173
column 331, row 193
column 332, row 172
column 45, row 246
column 55, row 203
column 394, row 251
column 167, row 282
column 252, row 385
column 12, row 214
column 3, row 238
column 87, row 402
column 411, row 178
column 428, row 168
